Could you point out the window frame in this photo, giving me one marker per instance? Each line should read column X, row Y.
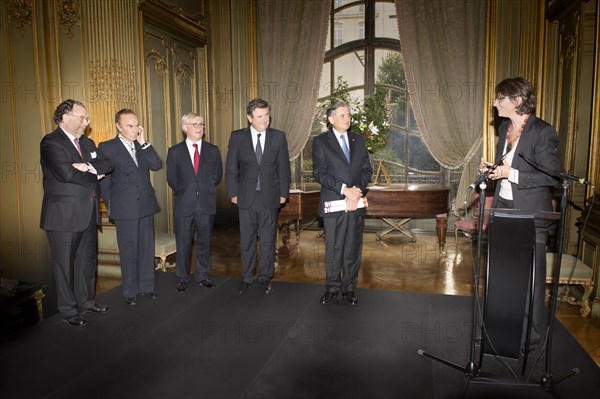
column 369, row 45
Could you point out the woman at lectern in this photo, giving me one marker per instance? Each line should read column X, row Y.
column 525, row 155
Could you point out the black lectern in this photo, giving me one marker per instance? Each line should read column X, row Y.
column 509, row 283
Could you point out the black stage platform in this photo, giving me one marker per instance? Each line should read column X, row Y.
column 214, row 343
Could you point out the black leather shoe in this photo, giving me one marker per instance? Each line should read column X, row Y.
column 206, row 283
column 265, row 286
column 181, row 287
column 98, row 309
column 76, row 320
column 130, row 301
column 350, row 298
column 149, row 295
column 327, row 297
column 243, row 287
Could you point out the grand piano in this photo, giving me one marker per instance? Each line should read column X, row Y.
column 395, row 205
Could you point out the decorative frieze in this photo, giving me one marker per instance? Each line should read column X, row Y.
column 21, row 12
column 160, row 65
column 69, row 16
column 112, row 82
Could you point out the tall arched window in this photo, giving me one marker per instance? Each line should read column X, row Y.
column 363, row 48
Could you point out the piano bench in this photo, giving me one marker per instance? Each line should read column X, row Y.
column 164, row 245
column 572, row 272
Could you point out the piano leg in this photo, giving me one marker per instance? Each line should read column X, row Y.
column 441, row 226
column 395, row 225
column 287, row 248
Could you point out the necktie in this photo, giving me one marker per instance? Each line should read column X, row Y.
column 78, row 147
column 196, row 158
column 345, row 147
column 258, row 159
column 130, row 147
column 132, row 152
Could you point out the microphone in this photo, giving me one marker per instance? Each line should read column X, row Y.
column 483, row 176
column 579, row 180
column 563, row 175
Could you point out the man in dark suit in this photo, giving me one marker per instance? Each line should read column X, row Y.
column 72, row 166
column 131, row 203
column 258, row 181
column 194, row 169
column 341, row 166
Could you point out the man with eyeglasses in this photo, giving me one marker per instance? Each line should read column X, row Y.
column 131, row 203
column 72, row 166
column 194, row 169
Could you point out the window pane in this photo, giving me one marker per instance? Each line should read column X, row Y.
column 350, row 67
column 328, row 40
column 419, row 158
column 358, row 94
column 347, row 25
column 389, row 66
column 338, row 31
column 396, row 142
column 397, row 110
column 386, row 24
column 413, row 121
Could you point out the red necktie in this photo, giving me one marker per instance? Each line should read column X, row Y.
column 78, row 147
column 196, row 159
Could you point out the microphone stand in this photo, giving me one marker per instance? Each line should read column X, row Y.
column 471, row 369
column 548, row 381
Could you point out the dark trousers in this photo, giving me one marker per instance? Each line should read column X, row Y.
column 201, row 224
column 136, row 254
column 539, row 318
column 258, row 220
column 74, row 266
column 343, row 251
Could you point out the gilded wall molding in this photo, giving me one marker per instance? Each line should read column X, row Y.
column 21, row 12
column 183, row 73
column 69, row 16
column 111, row 81
column 171, row 18
column 569, row 40
column 160, row 66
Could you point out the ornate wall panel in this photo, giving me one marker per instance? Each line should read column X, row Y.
column 109, row 30
column 232, row 72
column 158, row 87
column 185, row 66
column 172, row 72
column 30, row 88
column 574, row 39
